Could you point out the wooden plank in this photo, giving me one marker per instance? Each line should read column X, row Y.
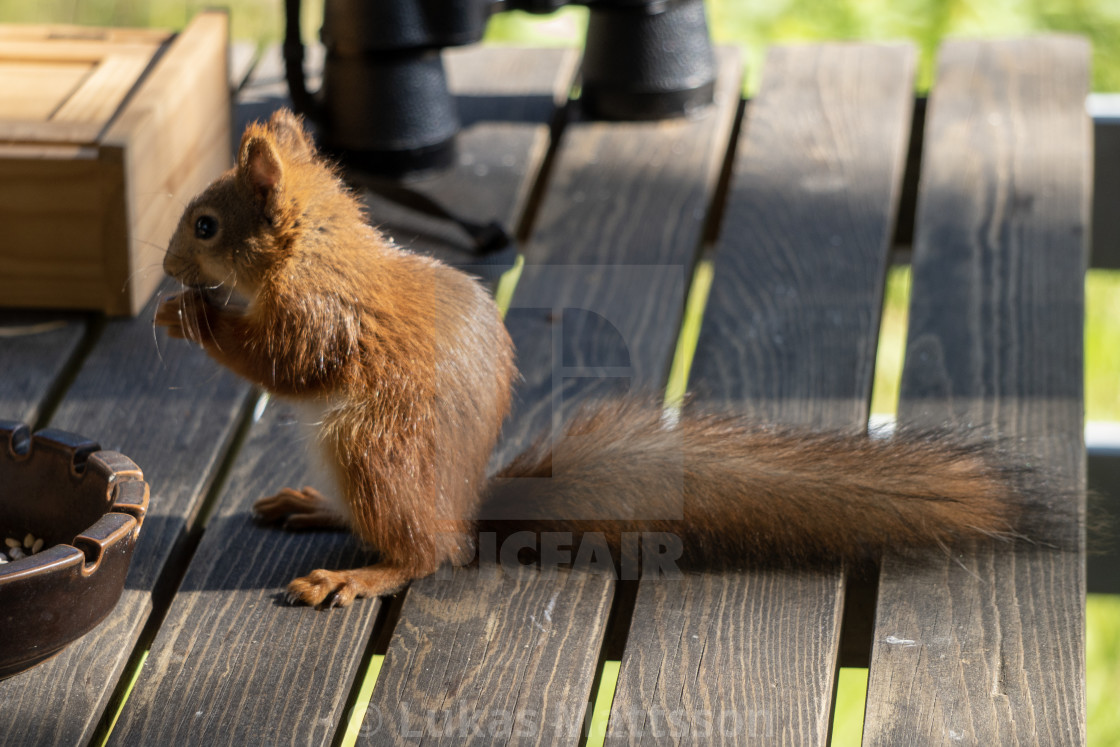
column 631, row 271
column 54, row 202
column 614, row 246
column 987, row 646
column 36, row 349
column 490, row 657
column 33, row 91
column 65, row 90
column 168, row 408
column 102, row 93
column 242, row 641
column 223, row 666
column 789, row 336
column 62, row 33
column 72, row 49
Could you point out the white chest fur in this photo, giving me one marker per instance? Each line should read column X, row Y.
column 322, row 473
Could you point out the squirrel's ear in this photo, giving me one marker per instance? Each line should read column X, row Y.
column 259, row 169
column 291, row 135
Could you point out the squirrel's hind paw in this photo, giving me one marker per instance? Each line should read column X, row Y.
column 305, row 508
column 325, row 589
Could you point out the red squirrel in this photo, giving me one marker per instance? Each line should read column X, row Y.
column 408, row 366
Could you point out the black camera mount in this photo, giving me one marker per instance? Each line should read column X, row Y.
column 384, row 103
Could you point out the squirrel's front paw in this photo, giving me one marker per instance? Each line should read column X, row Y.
column 183, row 315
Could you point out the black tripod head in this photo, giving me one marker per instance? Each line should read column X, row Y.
column 384, row 103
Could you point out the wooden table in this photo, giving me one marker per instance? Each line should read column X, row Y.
column 790, row 205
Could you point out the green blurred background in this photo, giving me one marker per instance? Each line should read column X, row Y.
column 754, row 26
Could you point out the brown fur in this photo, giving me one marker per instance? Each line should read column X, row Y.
column 332, row 311
column 411, row 361
column 740, row 493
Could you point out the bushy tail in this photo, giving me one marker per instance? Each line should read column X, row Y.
column 737, row 493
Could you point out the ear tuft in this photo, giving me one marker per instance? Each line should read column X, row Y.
column 291, row 135
column 260, row 170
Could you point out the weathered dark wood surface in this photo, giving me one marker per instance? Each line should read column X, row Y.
column 35, row 351
column 607, row 268
column 230, row 637
column 495, row 656
column 987, row 647
column 624, row 209
column 168, row 408
column 789, row 335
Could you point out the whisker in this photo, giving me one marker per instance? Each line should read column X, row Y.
column 149, row 242
column 155, row 340
column 232, row 286
column 163, row 193
column 138, row 271
column 192, row 317
column 210, row 331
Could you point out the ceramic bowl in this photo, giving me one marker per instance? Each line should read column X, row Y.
column 87, row 505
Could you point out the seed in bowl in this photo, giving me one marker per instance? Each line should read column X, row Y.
column 16, row 549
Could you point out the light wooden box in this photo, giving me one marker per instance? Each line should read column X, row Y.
column 105, row 135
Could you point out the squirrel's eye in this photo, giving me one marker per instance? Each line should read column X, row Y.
column 205, row 227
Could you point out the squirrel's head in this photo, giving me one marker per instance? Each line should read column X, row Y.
column 244, row 224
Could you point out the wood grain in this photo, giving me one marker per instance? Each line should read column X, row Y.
column 32, row 91
column 495, row 656
column 987, row 646
column 56, row 201
column 64, row 90
column 170, row 409
column 36, row 348
column 102, row 93
column 70, row 33
column 228, row 612
column 599, row 301
column 622, row 197
column 49, row 47
column 233, row 662
column 789, row 335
